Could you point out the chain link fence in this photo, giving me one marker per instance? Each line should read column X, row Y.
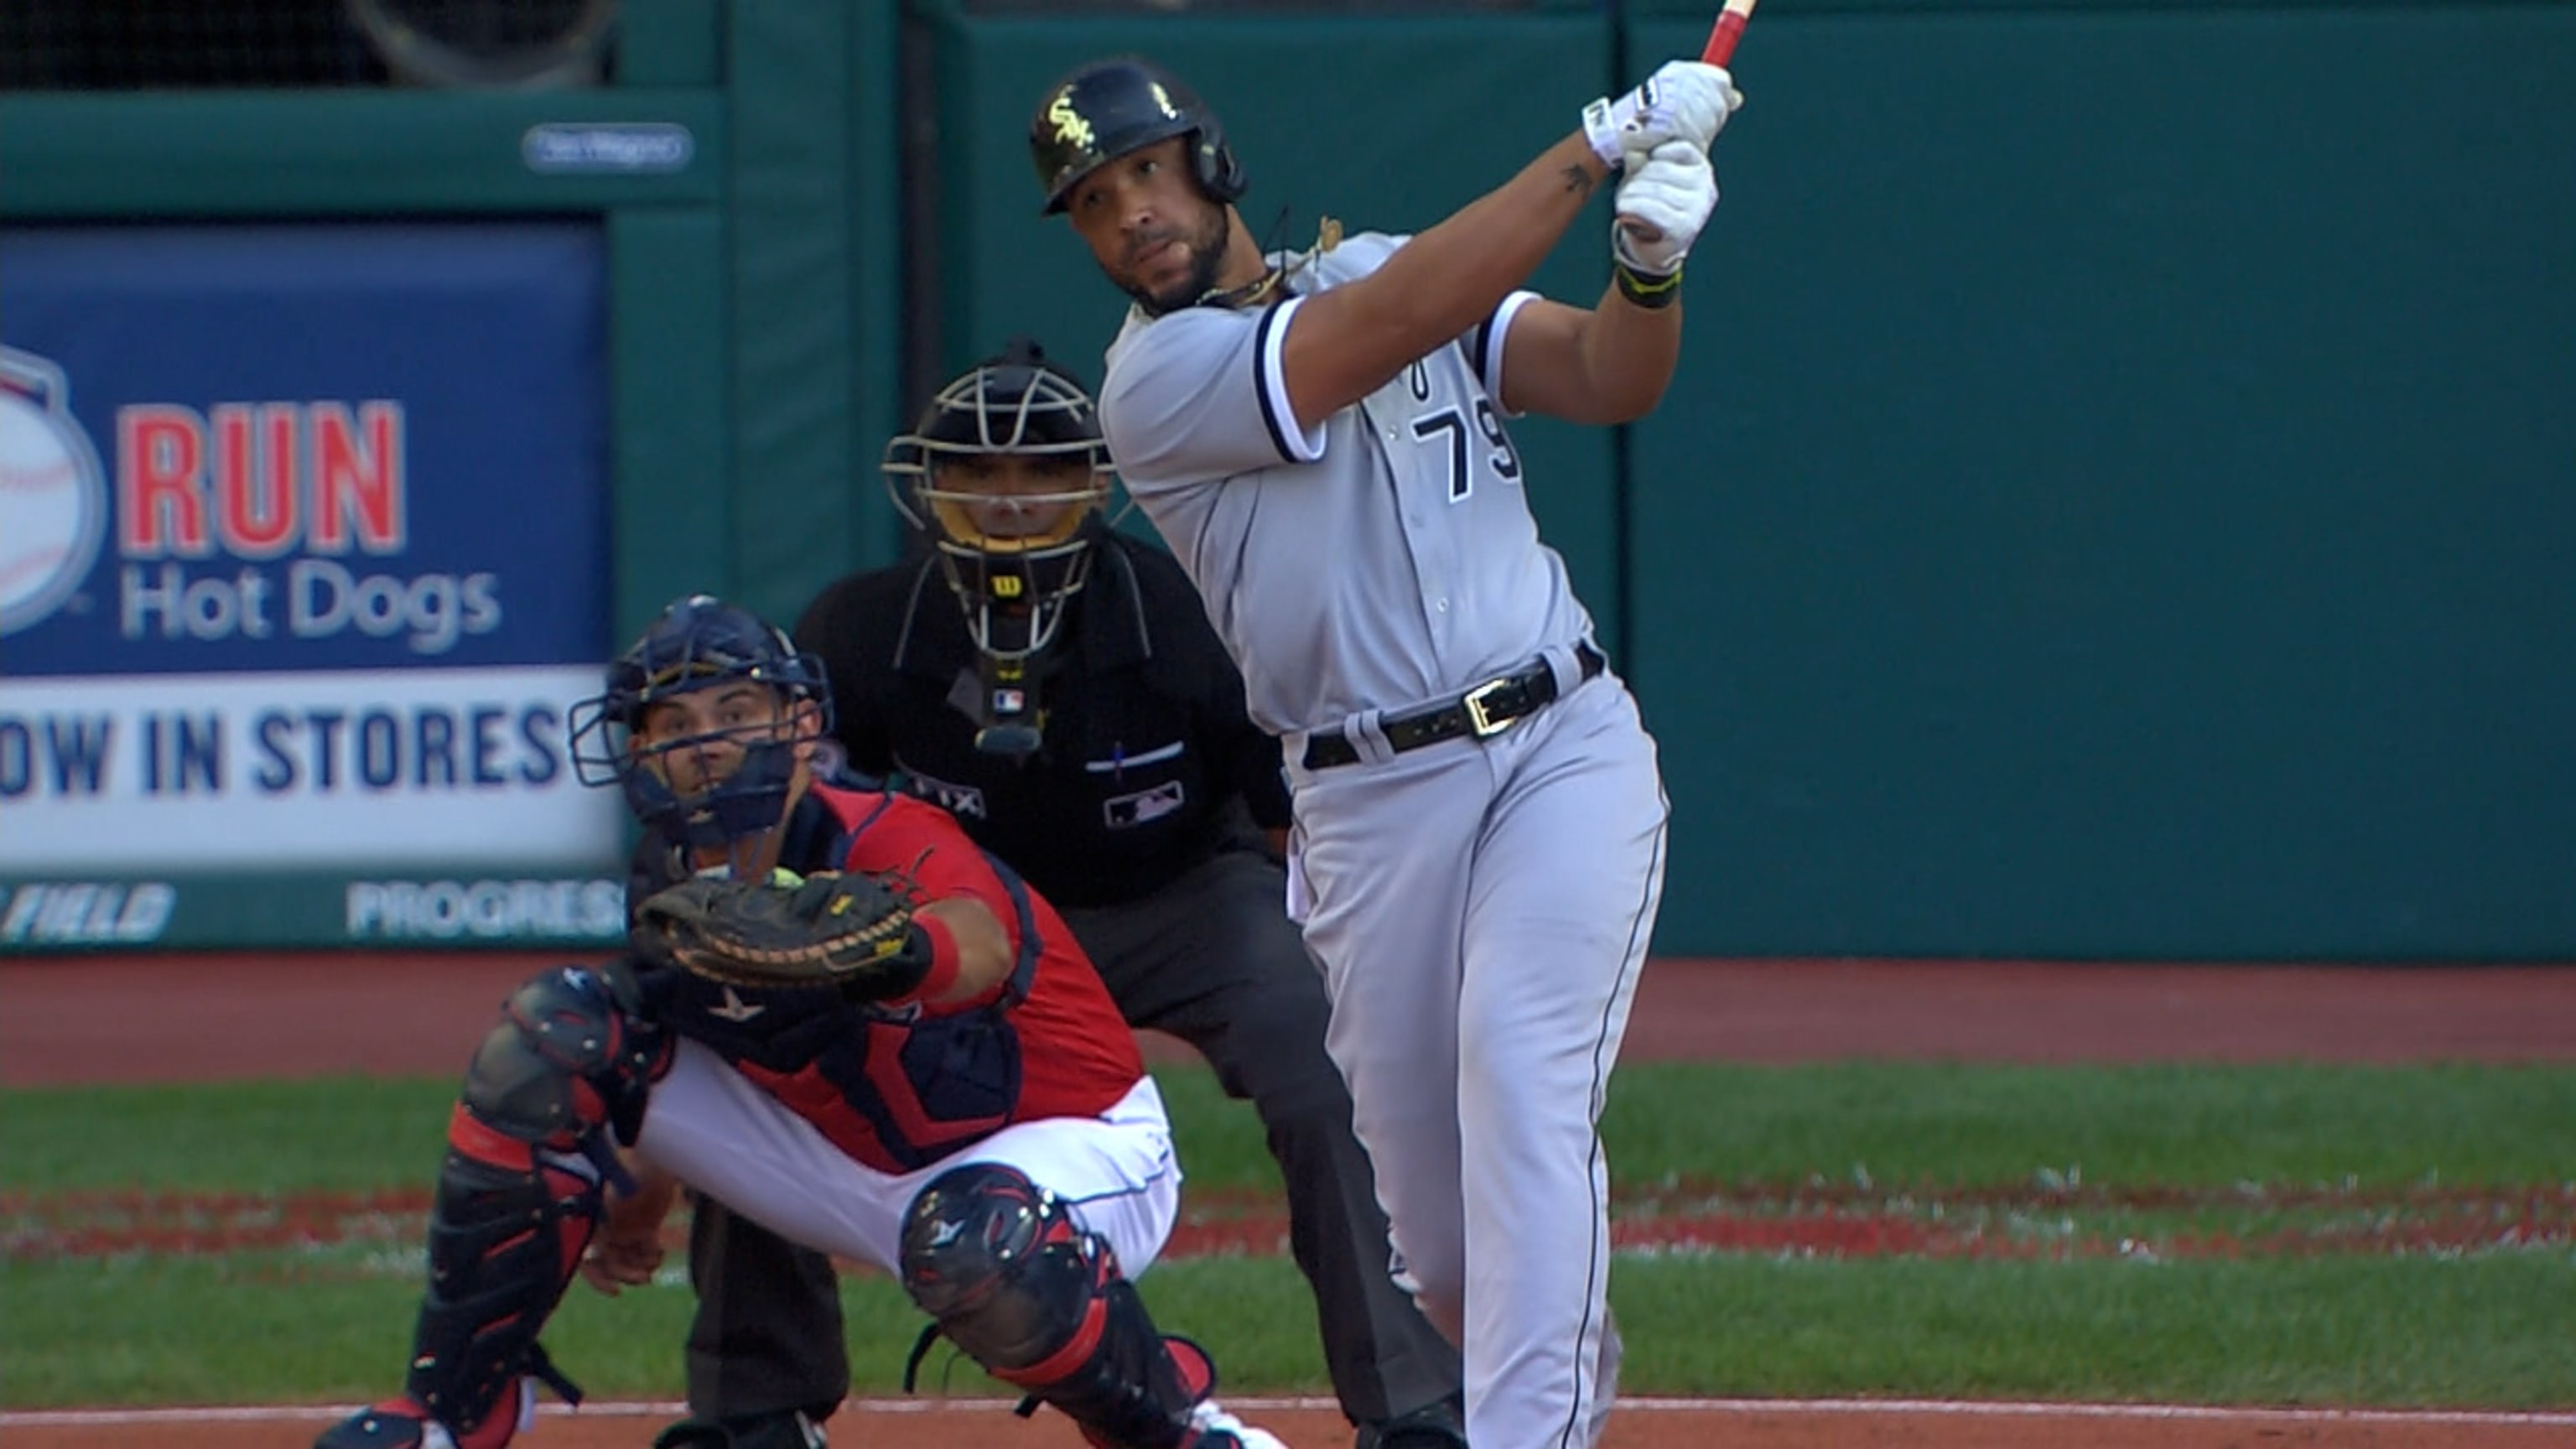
column 119, row 45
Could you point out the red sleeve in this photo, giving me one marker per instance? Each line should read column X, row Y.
column 918, row 840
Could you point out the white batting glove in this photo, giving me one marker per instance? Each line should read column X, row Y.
column 1662, row 205
column 1682, row 101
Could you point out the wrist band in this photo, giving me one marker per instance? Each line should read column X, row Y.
column 1601, row 128
column 942, row 975
column 1641, row 290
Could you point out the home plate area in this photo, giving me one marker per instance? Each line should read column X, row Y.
column 1316, row 1424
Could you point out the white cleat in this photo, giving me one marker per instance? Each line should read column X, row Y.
column 1218, row 1429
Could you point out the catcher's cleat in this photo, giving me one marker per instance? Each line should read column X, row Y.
column 1211, row 1427
column 403, row 1424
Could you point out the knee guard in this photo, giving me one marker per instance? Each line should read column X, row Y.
column 1008, row 1277
column 573, row 1053
column 519, row 1192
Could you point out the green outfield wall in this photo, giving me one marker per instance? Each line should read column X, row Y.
column 2116, row 502
column 2119, row 499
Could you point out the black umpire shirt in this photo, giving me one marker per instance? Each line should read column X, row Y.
column 1146, row 747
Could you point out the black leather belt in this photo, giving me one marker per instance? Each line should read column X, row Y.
column 1487, row 709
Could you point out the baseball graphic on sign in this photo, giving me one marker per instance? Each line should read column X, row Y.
column 53, row 496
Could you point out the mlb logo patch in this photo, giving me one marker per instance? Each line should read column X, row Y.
column 1125, row 812
column 1010, row 701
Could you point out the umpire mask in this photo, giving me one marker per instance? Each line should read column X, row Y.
column 1007, row 475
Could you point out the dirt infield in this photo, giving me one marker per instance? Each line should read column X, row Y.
column 95, row 1019
column 99, row 1019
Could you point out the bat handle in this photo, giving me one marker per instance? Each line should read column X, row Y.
column 1722, row 38
column 1728, row 30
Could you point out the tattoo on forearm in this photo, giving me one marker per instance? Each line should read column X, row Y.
column 1578, row 181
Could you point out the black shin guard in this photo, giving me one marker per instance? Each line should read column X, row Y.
column 1122, row 1381
column 1011, row 1280
column 503, row 1243
column 520, row 1190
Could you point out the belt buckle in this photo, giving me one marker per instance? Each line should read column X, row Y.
column 1480, row 721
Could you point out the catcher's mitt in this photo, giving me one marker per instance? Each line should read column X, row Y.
column 850, row 933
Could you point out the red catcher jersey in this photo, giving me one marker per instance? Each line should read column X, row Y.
column 900, row 1088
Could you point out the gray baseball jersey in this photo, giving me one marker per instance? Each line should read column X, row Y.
column 1480, row 906
column 1421, row 571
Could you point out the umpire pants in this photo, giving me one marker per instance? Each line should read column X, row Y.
column 1213, row 960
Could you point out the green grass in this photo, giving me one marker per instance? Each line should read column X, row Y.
column 1895, row 1123
column 2077, row 1148
column 2493, row 1331
column 2171, row 1125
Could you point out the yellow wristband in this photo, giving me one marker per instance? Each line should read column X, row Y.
column 1651, row 293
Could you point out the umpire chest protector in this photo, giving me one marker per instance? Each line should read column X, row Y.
column 1142, row 722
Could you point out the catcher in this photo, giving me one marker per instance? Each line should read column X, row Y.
column 851, row 1026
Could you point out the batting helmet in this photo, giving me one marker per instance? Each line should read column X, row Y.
column 699, row 642
column 1012, row 556
column 1111, row 107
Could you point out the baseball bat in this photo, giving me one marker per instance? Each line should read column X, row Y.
column 1728, row 30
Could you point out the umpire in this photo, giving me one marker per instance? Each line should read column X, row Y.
column 1056, row 685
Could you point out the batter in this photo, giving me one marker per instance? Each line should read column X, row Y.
column 1479, row 841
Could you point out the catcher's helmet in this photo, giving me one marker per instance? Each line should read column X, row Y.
column 699, row 642
column 1013, row 556
column 1111, row 107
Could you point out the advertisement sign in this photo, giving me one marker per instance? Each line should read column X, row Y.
column 303, row 561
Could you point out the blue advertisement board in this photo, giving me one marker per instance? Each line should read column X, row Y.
column 303, row 561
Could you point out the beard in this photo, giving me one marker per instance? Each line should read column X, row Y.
column 1207, row 254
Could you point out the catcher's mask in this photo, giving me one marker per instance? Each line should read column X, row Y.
column 700, row 643
column 1007, row 475
column 1126, row 103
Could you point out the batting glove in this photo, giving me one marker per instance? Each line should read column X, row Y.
column 1662, row 206
column 1682, row 101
